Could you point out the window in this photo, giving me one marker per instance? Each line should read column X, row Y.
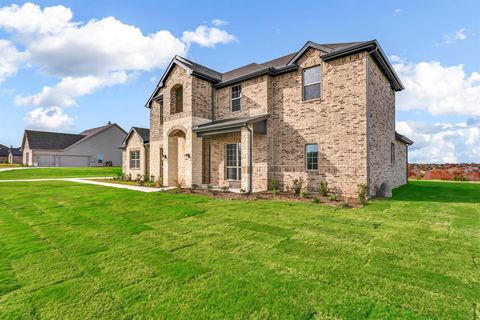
column 161, row 111
column 134, row 159
column 176, row 99
column 234, row 161
column 179, row 99
column 392, row 153
column 236, row 97
column 311, row 83
column 100, row 158
column 311, row 151
column 27, row 157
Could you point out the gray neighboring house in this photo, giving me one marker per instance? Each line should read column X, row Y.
column 3, row 154
column 92, row 147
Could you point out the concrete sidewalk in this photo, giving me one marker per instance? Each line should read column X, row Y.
column 88, row 181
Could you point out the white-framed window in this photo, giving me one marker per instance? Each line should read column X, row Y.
column 311, row 83
column 100, row 158
column 135, row 159
column 233, row 163
column 311, row 156
column 236, row 97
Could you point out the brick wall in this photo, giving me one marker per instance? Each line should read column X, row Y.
column 381, row 132
column 336, row 122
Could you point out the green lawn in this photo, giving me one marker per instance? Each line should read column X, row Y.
column 40, row 173
column 75, row 251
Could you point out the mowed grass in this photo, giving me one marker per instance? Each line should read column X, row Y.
column 41, row 173
column 74, row 251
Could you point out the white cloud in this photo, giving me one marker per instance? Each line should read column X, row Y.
column 443, row 142
column 88, row 56
column 52, row 118
column 10, row 59
column 207, row 37
column 62, row 94
column 438, row 89
column 397, row 11
column 449, row 38
column 219, row 22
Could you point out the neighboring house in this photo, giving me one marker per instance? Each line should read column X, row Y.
column 323, row 113
column 15, row 155
column 136, row 155
column 92, row 147
column 3, row 154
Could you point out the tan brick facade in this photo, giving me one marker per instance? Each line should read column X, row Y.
column 353, row 124
column 135, row 143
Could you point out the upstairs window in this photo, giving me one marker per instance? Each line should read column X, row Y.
column 311, row 152
column 134, row 159
column 176, row 99
column 161, row 111
column 236, row 97
column 392, row 153
column 233, row 161
column 311, row 83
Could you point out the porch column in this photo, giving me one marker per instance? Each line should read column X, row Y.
column 246, row 156
column 193, row 165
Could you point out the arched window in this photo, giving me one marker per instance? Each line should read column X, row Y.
column 176, row 99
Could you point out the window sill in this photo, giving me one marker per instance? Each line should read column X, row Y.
column 312, row 100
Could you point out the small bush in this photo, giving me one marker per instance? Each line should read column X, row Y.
column 332, row 197
column 323, row 188
column 315, row 200
column 459, row 178
column 297, row 185
column 225, row 188
column 275, row 192
column 345, row 205
column 274, row 186
column 363, row 194
column 243, row 191
column 302, row 194
column 209, row 188
column 178, row 185
column 193, row 187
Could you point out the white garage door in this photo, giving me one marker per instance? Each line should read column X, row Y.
column 74, row 161
column 45, row 161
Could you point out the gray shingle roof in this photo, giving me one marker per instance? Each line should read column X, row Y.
column 16, row 152
column 144, row 133
column 282, row 64
column 51, row 140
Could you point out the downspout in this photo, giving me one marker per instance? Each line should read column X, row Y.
column 250, row 159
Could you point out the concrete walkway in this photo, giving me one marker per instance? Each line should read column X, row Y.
column 88, row 181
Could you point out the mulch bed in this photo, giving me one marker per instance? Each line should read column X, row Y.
column 267, row 195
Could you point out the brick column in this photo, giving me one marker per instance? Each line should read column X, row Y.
column 245, row 141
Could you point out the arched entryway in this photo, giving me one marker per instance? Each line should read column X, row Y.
column 176, row 157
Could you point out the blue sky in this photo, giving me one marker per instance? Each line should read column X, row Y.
column 71, row 65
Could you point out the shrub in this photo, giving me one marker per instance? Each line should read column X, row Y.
column 459, row 178
column 345, row 205
column 243, row 191
column 225, row 188
column 209, row 188
column 275, row 192
column 315, row 200
column 323, row 188
column 193, row 187
column 332, row 197
column 363, row 194
column 274, row 186
column 302, row 194
column 297, row 185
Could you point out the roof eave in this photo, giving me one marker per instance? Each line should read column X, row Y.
column 265, row 71
column 374, row 48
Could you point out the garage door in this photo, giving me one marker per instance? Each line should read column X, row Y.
column 74, row 161
column 45, row 161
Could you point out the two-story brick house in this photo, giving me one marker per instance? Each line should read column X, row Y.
column 324, row 113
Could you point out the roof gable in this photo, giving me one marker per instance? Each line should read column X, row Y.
column 142, row 133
